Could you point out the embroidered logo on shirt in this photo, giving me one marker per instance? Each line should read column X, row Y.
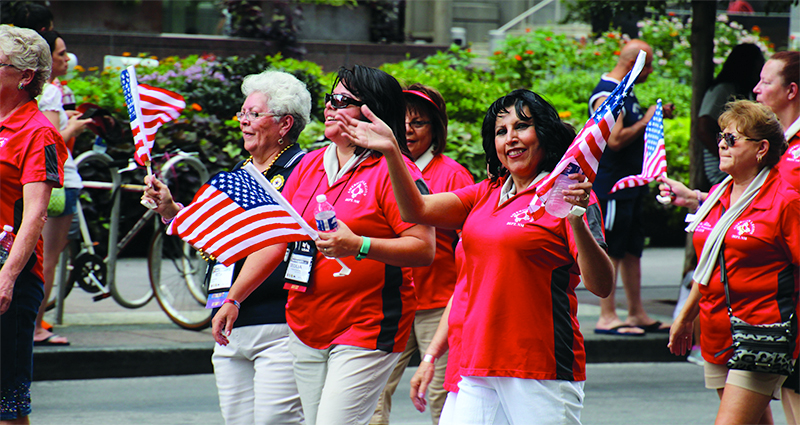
column 358, row 189
column 278, row 181
column 744, row 228
column 520, row 218
column 792, row 154
column 703, row 227
column 3, row 141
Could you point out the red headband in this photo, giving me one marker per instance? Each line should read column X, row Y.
column 424, row 96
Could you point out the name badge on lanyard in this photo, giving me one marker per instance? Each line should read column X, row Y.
column 220, row 283
column 301, row 262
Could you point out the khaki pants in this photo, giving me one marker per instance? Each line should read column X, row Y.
column 425, row 324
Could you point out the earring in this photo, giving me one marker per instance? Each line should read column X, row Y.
column 759, row 158
column 280, row 140
column 20, row 86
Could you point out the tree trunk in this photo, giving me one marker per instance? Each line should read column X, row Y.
column 703, row 19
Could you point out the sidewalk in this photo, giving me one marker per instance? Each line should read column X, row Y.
column 110, row 341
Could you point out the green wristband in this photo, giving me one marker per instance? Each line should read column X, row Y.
column 362, row 253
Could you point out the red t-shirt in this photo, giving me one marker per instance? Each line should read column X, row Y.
column 435, row 283
column 455, row 324
column 789, row 165
column 374, row 306
column 521, row 319
column 762, row 250
column 31, row 150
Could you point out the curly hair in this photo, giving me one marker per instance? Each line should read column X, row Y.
column 27, row 51
column 554, row 136
column 756, row 121
column 286, row 95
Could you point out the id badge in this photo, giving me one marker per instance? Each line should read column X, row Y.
column 219, row 284
column 301, row 262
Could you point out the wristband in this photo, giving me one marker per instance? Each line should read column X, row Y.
column 165, row 221
column 428, row 358
column 234, row 302
column 365, row 244
column 699, row 201
column 577, row 210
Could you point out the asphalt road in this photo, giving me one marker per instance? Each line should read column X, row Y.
column 618, row 394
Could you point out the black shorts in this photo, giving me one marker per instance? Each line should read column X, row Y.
column 624, row 226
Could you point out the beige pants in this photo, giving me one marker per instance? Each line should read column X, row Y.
column 341, row 384
column 425, row 324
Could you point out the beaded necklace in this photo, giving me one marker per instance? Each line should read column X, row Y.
column 249, row 160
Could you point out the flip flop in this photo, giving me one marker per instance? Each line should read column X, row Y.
column 616, row 331
column 654, row 328
column 48, row 342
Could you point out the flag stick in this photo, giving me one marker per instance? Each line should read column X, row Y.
column 146, row 202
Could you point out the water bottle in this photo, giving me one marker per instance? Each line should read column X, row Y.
column 556, row 205
column 325, row 215
column 99, row 145
column 6, row 240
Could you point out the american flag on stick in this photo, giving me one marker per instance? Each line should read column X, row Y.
column 148, row 108
column 655, row 156
column 235, row 214
column 588, row 146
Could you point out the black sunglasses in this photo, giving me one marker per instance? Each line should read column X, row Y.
column 341, row 101
column 730, row 139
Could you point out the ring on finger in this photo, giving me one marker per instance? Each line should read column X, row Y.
column 586, row 197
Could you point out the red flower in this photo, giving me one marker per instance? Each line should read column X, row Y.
column 671, row 13
column 597, row 53
column 498, row 53
column 612, row 35
column 548, row 38
column 518, row 57
column 527, row 30
column 529, row 52
column 616, row 52
column 197, row 107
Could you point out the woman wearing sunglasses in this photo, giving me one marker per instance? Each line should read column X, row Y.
column 349, row 331
column 751, row 221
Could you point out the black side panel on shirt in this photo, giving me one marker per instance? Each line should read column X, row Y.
column 562, row 323
column 51, row 163
column 422, row 186
column 785, row 295
column 392, row 308
column 595, row 218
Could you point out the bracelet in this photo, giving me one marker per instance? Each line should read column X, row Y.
column 365, row 244
column 165, row 221
column 699, row 201
column 428, row 358
column 234, row 302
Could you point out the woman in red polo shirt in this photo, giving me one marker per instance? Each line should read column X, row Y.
column 32, row 154
column 522, row 356
column 348, row 331
column 753, row 219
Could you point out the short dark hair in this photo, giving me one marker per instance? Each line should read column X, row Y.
column 434, row 107
column 33, row 16
column 50, row 37
column 382, row 94
column 554, row 137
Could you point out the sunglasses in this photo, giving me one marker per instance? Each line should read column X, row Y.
column 730, row 139
column 341, row 101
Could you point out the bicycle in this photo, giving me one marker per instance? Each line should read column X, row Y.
column 177, row 284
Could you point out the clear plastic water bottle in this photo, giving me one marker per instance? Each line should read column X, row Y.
column 99, row 145
column 556, row 205
column 6, row 240
column 325, row 215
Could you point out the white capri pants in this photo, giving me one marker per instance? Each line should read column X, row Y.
column 254, row 377
column 340, row 384
column 501, row 401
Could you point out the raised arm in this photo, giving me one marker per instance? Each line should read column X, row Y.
column 440, row 210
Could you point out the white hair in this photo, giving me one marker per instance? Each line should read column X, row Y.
column 286, row 95
column 27, row 50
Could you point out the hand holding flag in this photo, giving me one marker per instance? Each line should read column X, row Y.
column 588, row 146
column 654, row 163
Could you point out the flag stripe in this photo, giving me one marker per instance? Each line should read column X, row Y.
column 654, row 163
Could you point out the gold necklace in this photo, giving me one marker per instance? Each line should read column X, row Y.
column 249, row 160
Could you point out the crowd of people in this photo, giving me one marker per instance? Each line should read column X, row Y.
column 456, row 270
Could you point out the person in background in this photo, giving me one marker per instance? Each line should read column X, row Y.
column 522, row 269
column 32, row 154
column 57, row 227
column 623, row 209
column 34, row 16
column 779, row 88
column 348, row 331
column 760, row 246
column 254, row 370
column 426, row 136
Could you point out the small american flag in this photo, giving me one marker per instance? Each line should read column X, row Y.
column 148, row 107
column 236, row 214
column 588, row 146
column 655, row 156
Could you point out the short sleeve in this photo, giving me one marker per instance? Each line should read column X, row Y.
column 714, row 100
column 50, row 99
column 45, row 157
column 469, row 195
column 460, row 178
column 790, row 226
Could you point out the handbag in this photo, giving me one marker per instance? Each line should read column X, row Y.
column 758, row 348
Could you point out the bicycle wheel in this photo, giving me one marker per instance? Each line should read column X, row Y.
column 71, row 247
column 184, row 175
column 177, row 274
column 94, row 168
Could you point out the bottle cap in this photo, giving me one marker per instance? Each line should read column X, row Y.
column 8, row 228
column 321, row 198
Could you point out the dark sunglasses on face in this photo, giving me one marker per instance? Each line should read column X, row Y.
column 730, row 139
column 341, row 101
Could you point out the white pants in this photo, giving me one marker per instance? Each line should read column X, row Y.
column 496, row 401
column 341, row 384
column 449, row 409
column 254, row 377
